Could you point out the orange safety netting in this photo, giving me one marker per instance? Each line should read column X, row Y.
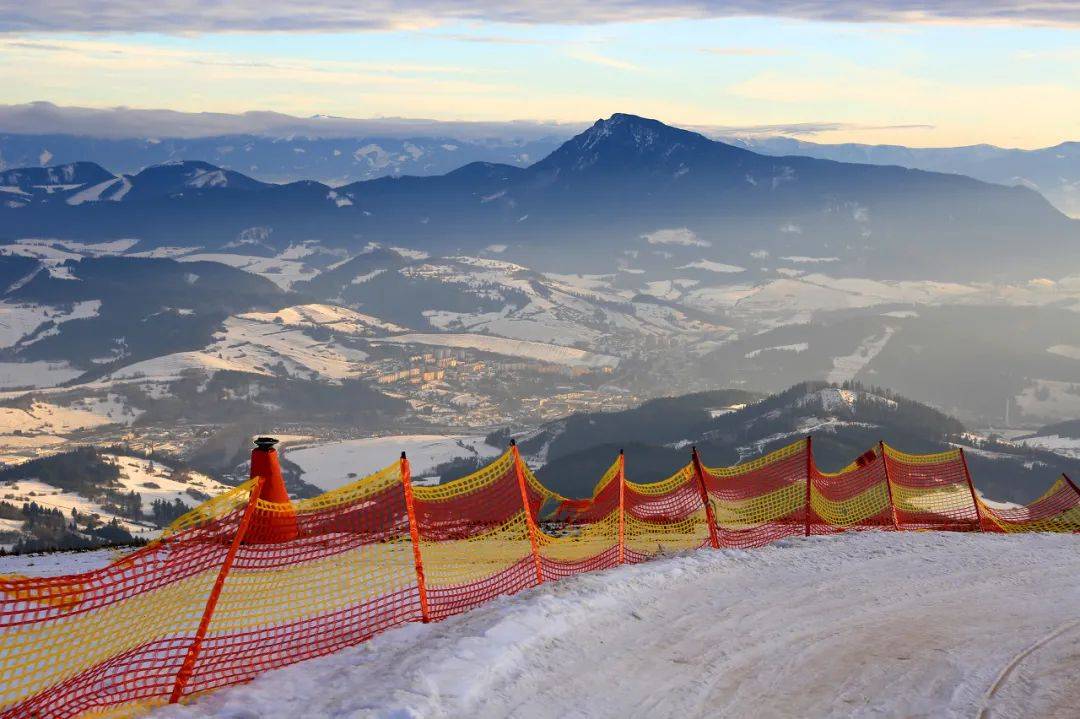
column 857, row 497
column 763, row 500
column 932, row 491
column 236, row 588
column 1056, row 511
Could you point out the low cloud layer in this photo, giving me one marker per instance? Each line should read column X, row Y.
column 42, row 118
column 796, row 129
column 121, row 122
column 183, row 16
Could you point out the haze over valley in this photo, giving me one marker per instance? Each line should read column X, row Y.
column 172, row 310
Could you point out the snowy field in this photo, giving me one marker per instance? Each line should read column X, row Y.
column 57, row 563
column 327, row 465
column 152, row 480
column 871, row 625
column 539, row 351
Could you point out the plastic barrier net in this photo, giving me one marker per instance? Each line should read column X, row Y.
column 932, row 491
column 763, row 500
column 299, row 580
column 1056, row 511
column 857, row 497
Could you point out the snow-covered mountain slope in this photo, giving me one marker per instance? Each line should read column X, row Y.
column 332, row 464
column 103, row 494
column 857, row 625
column 539, row 351
column 34, row 426
column 256, row 344
column 76, row 313
column 134, row 479
column 466, row 294
column 732, row 426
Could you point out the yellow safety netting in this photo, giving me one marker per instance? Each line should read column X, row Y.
column 312, row 576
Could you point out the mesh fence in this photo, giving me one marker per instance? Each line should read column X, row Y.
column 763, row 500
column 1056, row 511
column 238, row 587
column 857, row 497
column 931, row 491
column 583, row 536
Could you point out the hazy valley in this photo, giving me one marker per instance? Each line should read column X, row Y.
column 180, row 308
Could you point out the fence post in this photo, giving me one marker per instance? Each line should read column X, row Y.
column 971, row 488
column 714, row 539
column 809, row 482
column 888, row 486
column 414, row 534
column 622, row 507
column 1071, row 483
column 530, row 522
column 186, row 669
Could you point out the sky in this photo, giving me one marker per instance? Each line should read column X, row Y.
column 913, row 72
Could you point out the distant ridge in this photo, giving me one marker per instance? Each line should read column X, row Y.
column 626, row 184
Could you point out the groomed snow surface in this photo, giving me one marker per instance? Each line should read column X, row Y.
column 856, row 625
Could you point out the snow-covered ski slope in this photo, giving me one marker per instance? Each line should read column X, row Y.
column 919, row 624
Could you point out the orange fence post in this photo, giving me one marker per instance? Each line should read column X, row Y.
column 1071, row 483
column 971, row 487
column 888, row 486
column 188, row 666
column 714, row 540
column 622, row 507
column 277, row 524
column 809, row 480
column 414, row 533
column 529, row 520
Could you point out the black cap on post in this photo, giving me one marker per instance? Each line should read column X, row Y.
column 265, row 443
column 513, row 442
column 403, row 454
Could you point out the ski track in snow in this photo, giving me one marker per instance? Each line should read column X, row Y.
column 857, row 625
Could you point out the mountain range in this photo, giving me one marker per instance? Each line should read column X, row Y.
column 333, row 161
column 732, row 426
column 628, row 192
column 274, row 147
column 1053, row 171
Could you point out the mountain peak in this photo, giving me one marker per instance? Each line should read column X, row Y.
column 634, row 131
column 69, row 174
column 182, row 175
column 625, row 142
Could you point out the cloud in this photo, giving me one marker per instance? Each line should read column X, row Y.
column 186, row 16
column 798, row 129
column 745, row 51
column 681, row 236
column 492, row 39
column 124, row 122
column 604, row 60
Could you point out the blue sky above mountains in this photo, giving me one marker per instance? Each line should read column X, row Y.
column 901, row 71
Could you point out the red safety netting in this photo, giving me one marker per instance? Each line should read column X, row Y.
column 856, row 497
column 1058, row 510
column 297, row 580
column 763, row 500
column 664, row 517
column 581, row 536
column 931, row 491
column 476, row 536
